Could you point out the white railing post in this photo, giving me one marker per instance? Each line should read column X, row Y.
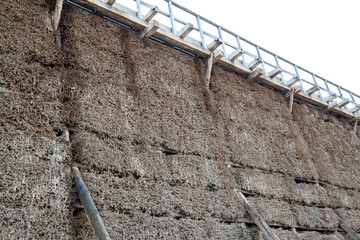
column 260, row 58
column 222, row 40
column 278, row 65
column 300, row 81
column 200, row 31
column 171, row 13
column 242, row 56
column 138, row 7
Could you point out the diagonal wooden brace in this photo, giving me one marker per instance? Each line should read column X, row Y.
column 259, row 221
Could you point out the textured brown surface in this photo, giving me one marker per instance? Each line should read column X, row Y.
column 152, row 143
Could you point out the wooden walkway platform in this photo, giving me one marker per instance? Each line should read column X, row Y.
column 319, row 92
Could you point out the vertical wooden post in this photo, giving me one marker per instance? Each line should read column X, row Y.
column 291, row 101
column 57, row 13
column 210, row 62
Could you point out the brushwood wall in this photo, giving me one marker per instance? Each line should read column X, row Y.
column 159, row 151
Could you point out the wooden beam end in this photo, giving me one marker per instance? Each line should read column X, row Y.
column 312, row 90
column 236, row 54
column 151, row 14
column 150, row 29
column 253, row 64
column 214, row 44
column 275, row 72
column 218, row 55
column 254, row 75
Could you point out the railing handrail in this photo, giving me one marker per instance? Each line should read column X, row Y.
column 255, row 45
column 320, row 87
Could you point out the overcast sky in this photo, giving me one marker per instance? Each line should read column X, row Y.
column 322, row 36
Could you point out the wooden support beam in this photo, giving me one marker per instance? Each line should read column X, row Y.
column 260, row 222
column 185, row 30
column 214, row 44
column 297, row 90
column 292, row 81
column 331, row 106
column 218, row 55
column 236, row 54
column 291, row 100
column 254, row 75
column 254, row 63
column 353, row 235
column 210, row 62
column 151, row 14
column 312, row 90
column 57, row 14
column 111, row 2
column 275, row 72
column 343, row 103
column 330, row 98
column 150, row 29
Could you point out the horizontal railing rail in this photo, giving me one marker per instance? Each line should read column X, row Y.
column 205, row 31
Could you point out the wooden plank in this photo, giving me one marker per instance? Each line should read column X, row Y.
column 111, row 2
column 260, row 222
column 253, row 64
column 291, row 100
column 236, row 54
column 348, row 229
column 114, row 13
column 151, row 14
column 292, row 81
column 208, row 70
column 331, row 106
column 343, row 103
column 57, row 14
column 312, row 90
column 185, row 30
column 330, row 98
column 218, row 55
column 275, row 72
column 214, row 44
column 182, row 43
column 254, row 75
column 237, row 67
column 150, row 30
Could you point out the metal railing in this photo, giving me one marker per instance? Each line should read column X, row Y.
column 204, row 31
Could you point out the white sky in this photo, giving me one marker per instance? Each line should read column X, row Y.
column 322, row 36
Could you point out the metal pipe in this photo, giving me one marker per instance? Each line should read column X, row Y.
column 91, row 211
